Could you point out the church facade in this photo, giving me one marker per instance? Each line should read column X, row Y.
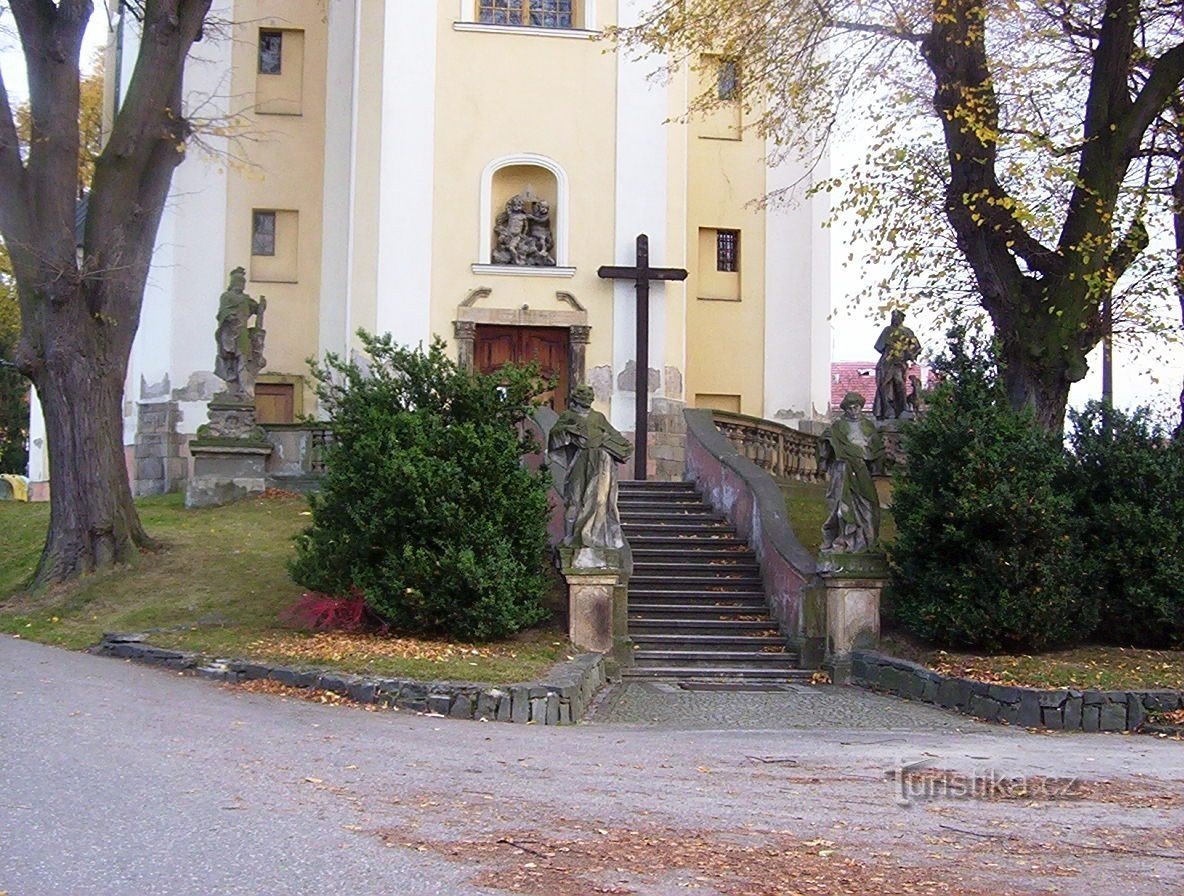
column 461, row 169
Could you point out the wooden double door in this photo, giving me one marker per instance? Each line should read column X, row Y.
column 497, row 345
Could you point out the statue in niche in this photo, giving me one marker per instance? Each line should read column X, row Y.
column 583, row 442
column 851, row 451
column 522, row 233
column 240, row 345
column 898, row 348
column 540, row 233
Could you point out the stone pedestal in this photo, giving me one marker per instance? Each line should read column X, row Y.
column 853, row 585
column 598, row 604
column 226, row 470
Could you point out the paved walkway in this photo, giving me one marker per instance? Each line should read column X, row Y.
column 665, row 704
column 117, row 778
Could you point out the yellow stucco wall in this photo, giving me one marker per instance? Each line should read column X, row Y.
column 281, row 169
column 725, row 339
column 509, row 92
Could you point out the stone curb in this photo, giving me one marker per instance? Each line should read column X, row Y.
column 1059, row 710
column 561, row 699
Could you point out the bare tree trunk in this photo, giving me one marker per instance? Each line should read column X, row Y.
column 1178, row 222
column 79, row 378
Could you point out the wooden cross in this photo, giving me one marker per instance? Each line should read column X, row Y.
column 641, row 273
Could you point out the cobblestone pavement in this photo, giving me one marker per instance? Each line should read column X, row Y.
column 666, row 704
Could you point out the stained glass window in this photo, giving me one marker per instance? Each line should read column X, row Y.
column 530, row 13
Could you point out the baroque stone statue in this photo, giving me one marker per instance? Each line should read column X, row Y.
column 851, row 451
column 898, row 348
column 589, row 448
column 523, row 235
column 240, row 345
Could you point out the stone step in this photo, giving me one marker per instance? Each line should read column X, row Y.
column 672, row 527
column 692, row 547
column 672, row 499
column 672, row 612
column 753, row 598
column 655, row 486
column 697, row 515
column 711, row 540
column 699, row 626
column 752, row 641
column 695, row 580
column 696, row 657
column 737, row 673
column 697, row 564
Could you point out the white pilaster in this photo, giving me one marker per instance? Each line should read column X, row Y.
column 406, row 176
column 189, row 264
column 797, row 297
column 642, row 158
column 341, row 71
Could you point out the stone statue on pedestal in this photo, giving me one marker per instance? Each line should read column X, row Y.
column 898, row 348
column 583, row 442
column 230, row 452
column 851, row 451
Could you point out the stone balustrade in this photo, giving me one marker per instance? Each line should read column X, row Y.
column 783, row 452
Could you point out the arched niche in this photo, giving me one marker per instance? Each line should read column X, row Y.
column 524, row 173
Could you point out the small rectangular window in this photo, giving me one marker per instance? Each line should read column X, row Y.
column 263, row 233
column 728, row 80
column 727, row 250
column 271, row 52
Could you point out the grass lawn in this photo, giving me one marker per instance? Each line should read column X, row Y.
column 220, row 586
column 1094, row 667
column 806, row 503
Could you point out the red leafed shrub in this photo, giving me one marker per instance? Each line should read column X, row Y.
column 328, row 612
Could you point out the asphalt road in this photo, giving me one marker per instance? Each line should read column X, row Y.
column 116, row 778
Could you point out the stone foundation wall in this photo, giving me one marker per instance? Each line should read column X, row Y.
column 1061, row 709
column 561, row 698
column 161, row 461
column 666, row 453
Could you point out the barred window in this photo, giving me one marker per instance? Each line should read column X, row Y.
column 271, row 52
column 529, row 13
column 727, row 250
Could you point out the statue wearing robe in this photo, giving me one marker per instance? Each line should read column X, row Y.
column 584, row 443
column 852, row 449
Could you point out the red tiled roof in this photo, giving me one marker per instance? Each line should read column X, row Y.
column 856, row 376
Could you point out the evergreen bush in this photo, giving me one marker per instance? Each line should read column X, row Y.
column 987, row 550
column 425, row 506
column 1129, row 495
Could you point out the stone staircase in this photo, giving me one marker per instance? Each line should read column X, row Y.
column 697, row 607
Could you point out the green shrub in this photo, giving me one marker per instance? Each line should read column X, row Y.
column 1130, row 498
column 986, row 553
column 425, row 506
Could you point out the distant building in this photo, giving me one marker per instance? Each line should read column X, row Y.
column 860, row 376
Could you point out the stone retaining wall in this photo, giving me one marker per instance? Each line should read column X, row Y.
column 1061, row 709
column 561, row 699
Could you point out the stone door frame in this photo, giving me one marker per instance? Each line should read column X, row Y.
column 464, row 329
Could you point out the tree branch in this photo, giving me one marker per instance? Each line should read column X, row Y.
column 1165, row 77
column 14, row 222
